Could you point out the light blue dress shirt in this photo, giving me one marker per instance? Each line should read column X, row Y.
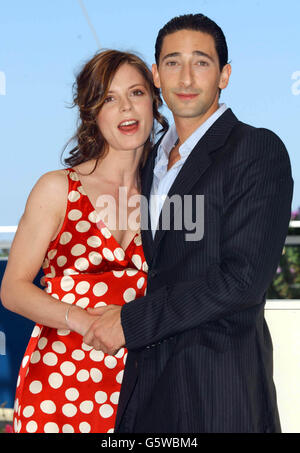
column 164, row 178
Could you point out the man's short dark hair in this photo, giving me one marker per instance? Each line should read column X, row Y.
column 195, row 22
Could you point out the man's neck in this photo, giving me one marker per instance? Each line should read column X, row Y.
column 185, row 127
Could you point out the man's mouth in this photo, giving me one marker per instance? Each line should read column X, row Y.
column 186, row 96
column 128, row 126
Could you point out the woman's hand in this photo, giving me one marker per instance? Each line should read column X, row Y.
column 105, row 333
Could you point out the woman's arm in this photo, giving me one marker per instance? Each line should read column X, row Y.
column 40, row 223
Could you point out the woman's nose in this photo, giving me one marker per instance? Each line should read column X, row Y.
column 125, row 104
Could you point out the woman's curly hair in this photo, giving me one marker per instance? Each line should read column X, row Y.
column 89, row 92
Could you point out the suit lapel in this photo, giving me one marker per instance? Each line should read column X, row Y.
column 193, row 169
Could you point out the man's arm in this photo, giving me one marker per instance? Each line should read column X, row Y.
column 254, row 227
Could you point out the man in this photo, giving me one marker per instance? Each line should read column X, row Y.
column 200, row 353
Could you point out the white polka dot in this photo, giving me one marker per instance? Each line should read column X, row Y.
column 83, row 375
column 70, row 271
column 16, row 405
column 100, row 304
column 86, row 347
column 67, row 368
column 78, row 249
column 78, row 354
column 36, row 357
column 45, row 263
column 52, row 254
column 94, row 241
column 55, row 380
column 68, row 298
column 94, row 217
column 81, row 190
column 18, row 380
column 145, row 266
column 51, row 428
column 119, row 377
column 82, row 287
column 35, row 387
column 118, row 274
column 61, row 260
column 138, row 239
column 100, row 397
column 63, row 332
column 73, row 175
column 36, row 331
column 114, row 397
column 108, row 254
column 84, row 427
column 96, row 356
column 95, row 258
column 69, row 410
column 136, row 259
column 86, row 406
column 28, row 411
column 106, row 411
column 68, row 429
column 96, row 375
column 56, row 296
column 49, row 287
column 120, row 353
column 110, row 361
column 72, row 394
column 124, row 358
column 74, row 214
column 24, row 361
column 119, row 254
column 42, row 343
column 65, row 238
column 83, row 302
column 129, row 294
column 131, row 272
column 67, row 283
column 59, row 347
column 106, row 233
column 48, row 407
column 50, row 359
column 83, row 226
column 73, row 196
column 82, row 264
column 140, row 282
column 100, row 289
column 31, row 426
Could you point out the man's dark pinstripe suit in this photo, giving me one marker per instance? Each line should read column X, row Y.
column 200, row 353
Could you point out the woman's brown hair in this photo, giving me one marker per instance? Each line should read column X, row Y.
column 90, row 90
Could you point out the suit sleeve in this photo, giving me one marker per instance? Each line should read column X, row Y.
column 254, row 227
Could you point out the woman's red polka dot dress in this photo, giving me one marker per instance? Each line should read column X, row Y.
column 64, row 385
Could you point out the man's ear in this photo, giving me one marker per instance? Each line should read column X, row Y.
column 155, row 74
column 225, row 75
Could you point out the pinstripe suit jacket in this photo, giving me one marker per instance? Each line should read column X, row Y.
column 200, row 353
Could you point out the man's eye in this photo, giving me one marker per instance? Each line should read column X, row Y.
column 202, row 63
column 171, row 63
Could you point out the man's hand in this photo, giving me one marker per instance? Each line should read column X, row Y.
column 106, row 333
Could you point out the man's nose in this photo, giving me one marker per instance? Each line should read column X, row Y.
column 186, row 76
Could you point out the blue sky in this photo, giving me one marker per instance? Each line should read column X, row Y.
column 43, row 43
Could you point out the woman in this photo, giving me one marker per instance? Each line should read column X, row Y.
column 65, row 385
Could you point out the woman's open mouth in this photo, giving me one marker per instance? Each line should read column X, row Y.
column 128, row 127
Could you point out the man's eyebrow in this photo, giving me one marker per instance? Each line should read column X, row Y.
column 198, row 53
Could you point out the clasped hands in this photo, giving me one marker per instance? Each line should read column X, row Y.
column 105, row 333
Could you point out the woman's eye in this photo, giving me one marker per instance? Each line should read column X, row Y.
column 108, row 99
column 137, row 93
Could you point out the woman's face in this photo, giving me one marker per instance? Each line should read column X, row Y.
column 126, row 117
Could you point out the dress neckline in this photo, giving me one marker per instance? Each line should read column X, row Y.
column 92, row 206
